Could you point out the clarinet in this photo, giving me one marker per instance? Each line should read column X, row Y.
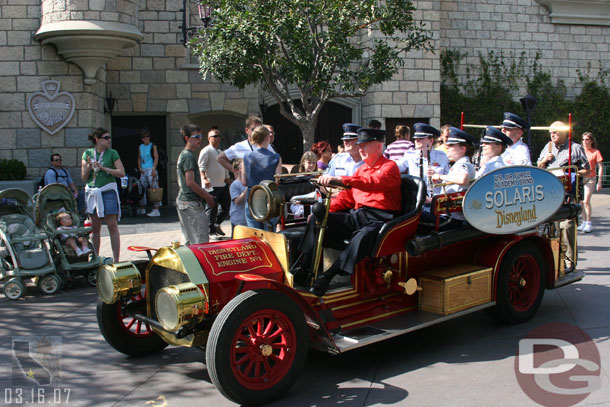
column 430, row 186
column 421, row 169
column 477, row 158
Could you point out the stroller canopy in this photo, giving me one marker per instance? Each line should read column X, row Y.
column 15, row 200
column 51, row 199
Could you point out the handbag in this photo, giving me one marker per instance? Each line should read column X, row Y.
column 154, row 194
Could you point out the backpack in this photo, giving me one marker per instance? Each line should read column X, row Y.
column 41, row 183
column 162, row 163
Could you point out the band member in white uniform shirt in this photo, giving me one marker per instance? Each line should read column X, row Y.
column 494, row 144
column 460, row 147
column 424, row 161
column 346, row 163
column 518, row 153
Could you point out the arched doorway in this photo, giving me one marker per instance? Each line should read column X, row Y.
column 230, row 124
column 288, row 137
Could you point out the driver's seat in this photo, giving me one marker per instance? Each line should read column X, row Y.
column 393, row 234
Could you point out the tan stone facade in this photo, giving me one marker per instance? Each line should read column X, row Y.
column 152, row 74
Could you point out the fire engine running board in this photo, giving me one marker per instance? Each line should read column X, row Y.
column 393, row 327
column 569, row 278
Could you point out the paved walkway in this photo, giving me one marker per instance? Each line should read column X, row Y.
column 151, row 232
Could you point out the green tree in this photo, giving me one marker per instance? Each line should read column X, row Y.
column 309, row 50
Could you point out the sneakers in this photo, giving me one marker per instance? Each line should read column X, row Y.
column 587, row 228
column 154, row 213
column 78, row 252
column 86, row 250
column 581, row 226
column 141, row 211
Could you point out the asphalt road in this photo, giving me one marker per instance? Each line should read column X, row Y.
column 462, row 362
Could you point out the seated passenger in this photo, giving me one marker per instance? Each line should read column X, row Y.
column 308, row 164
column 357, row 213
column 346, row 162
column 494, row 145
column 65, row 223
column 460, row 148
column 424, row 161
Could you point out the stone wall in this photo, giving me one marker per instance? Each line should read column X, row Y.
column 158, row 76
column 415, row 89
column 24, row 65
column 120, row 11
column 480, row 26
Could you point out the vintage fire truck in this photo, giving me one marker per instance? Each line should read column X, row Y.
column 238, row 300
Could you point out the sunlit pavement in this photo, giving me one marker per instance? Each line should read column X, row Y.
column 466, row 362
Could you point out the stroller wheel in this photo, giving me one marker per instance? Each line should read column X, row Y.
column 49, row 284
column 14, row 289
column 92, row 277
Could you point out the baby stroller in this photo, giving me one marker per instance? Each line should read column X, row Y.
column 24, row 250
column 130, row 193
column 51, row 201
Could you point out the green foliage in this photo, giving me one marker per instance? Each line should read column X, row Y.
column 12, row 170
column 491, row 87
column 486, row 91
column 320, row 48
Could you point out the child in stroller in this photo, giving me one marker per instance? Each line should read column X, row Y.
column 65, row 223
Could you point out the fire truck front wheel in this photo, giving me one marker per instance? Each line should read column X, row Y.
column 126, row 334
column 520, row 285
column 257, row 347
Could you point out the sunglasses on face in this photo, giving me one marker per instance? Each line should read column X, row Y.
column 105, row 137
column 197, row 136
column 215, row 136
column 145, row 137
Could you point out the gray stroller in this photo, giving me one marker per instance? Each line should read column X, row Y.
column 51, row 201
column 24, row 250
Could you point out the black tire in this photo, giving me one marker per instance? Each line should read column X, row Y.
column 521, row 284
column 126, row 341
column 279, row 365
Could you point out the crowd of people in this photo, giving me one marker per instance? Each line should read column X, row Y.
column 214, row 185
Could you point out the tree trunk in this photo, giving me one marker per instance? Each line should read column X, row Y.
column 308, row 129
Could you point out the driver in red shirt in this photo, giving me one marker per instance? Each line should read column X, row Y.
column 358, row 213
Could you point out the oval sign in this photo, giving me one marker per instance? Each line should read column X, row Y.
column 512, row 199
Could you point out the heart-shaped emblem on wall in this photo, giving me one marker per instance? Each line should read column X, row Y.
column 51, row 109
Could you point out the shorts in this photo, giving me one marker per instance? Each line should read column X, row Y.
column 589, row 184
column 111, row 204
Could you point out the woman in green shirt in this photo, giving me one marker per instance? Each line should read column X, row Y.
column 101, row 165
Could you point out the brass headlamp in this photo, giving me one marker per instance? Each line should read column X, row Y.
column 265, row 201
column 177, row 305
column 119, row 280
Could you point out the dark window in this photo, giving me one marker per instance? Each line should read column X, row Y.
column 126, row 140
column 288, row 137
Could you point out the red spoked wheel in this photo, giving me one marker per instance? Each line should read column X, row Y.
column 131, row 325
column 520, row 286
column 263, row 349
column 523, row 282
column 257, row 347
column 124, row 333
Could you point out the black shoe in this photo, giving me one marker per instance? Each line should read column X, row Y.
column 320, row 287
column 218, row 230
column 302, row 275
